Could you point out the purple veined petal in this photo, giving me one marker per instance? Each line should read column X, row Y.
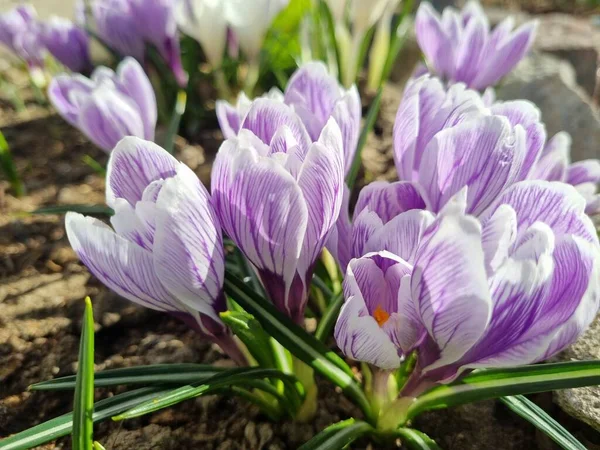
column 408, row 332
column 28, row 45
column 61, row 95
column 364, row 226
column 321, row 180
column 421, row 97
column 401, row 235
column 499, row 234
column 504, row 52
column 118, row 263
column 108, row 116
column 229, row 119
column 554, row 162
column 262, row 209
column 449, row 286
column 472, row 10
column 283, row 141
column 471, row 45
column 115, row 23
column 128, row 225
column 67, row 42
column 587, row 171
column 434, row 40
column 558, row 205
column 485, row 154
column 313, row 93
column 133, row 165
column 526, row 114
column 188, row 250
column 339, row 242
column 135, row 83
column 390, row 199
column 347, row 113
column 526, row 318
column 15, row 21
column 266, row 116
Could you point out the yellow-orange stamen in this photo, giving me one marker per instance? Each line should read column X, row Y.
column 381, row 315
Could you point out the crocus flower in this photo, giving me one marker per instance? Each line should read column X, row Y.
column 277, row 195
column 110, row 105
column 460, row 47
column 315, row 96
column 128, row 25
column 19, row 32
column 67, row 42
column 250, row 21
column 205, row 21
column 444, row 140
column 511, row 288
column 555, row 165
column 165, row 250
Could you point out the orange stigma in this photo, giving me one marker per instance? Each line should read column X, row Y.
column 381, row 315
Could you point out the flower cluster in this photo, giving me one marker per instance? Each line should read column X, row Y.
column 30, row 39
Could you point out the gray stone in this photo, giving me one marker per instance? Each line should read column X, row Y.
column 582, row 403
column 551, row 84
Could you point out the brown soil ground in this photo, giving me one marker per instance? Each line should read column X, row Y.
column 42, row 286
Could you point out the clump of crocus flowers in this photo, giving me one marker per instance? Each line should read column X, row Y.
column 481, row 255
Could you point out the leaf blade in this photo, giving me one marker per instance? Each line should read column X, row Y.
column 338, row 435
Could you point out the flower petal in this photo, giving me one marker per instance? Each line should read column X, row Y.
column 554, row 162
column 347, row 113
column 485, row 154
column 434, row 40
column 118, row 263
column 133, row 165
column 66, row 92
column 389, row 199
column 587, row 171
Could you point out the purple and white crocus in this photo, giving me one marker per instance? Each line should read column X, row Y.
column 108, row 106
column 19, row 33
column 444, row 139
column 165, row 250
column 513, row 287
column 460, row 47
column 555, row 165
column 128, row 25
column 277, row 194
column 315, row 96
column 67, row 42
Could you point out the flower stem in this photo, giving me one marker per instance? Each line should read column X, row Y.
column 251, row 77
column 306, row 376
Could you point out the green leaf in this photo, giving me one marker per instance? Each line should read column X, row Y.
column 541, row 420
column 369, row 124
column 97, row 210
column 338, row 435
column 83, row 402
column 330, row 28
column 98, row 446
column 62, row 426
column 158, row 374
column 94, row 165
column 494, row 383
column 232, row 377
column 8, row 167
column 178, row 111
column 328, row 320
column 304, row 346
column 400, row 35
column 252, row 334
column 416, row 440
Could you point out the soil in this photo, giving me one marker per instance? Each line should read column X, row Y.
column 42, row 285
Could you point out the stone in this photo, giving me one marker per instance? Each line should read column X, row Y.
column 551, row 84
column 582, row 403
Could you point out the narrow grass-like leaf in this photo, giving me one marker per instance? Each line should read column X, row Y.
column 178, row 111
column 339, row 435
column 304, row 346
column 369, row 124
column 494, row 383
column 94, row 165
column 98, row 446
column 83, row 402
column 61, row 426
column 328, row 320
column 541, row 420
column 329, row 24
column 399, row 38
column 8, row 167
column 416, row 440
column 232, row 377
column 158, row 374
column 95, row 210
column 252, row 334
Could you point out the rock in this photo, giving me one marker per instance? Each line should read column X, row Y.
column 551, row 84
column 582, row 403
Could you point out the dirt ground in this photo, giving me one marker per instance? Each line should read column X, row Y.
column 42, row 286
